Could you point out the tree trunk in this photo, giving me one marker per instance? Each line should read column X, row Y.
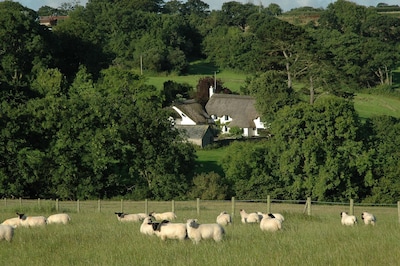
column 311, row 91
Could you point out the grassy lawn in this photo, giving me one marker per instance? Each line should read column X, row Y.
column 368, row 105
column 97, row 238
column 208, row 160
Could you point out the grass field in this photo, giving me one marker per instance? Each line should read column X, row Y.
column 97, row 238
column 368, row 105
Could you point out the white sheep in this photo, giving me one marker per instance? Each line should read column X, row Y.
column 348, row 219
column 166, row 230
column 147, row 226
column 31, row 221
column 163, row 216
column 124, row 217
column 142, row 215
column 197, row 232
column 224, row 218
column 59, row 218
column 276, row 215
column 270, row 223
column 368, row 218
column 249, row 217
column 6, row 232
column 14, row 222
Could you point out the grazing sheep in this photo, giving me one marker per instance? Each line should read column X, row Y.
column 224, row 218
column 59, row 218
column 14, row 222
column 142, row 215
column 6, row 232
column 270, row 223
column 147, row 226
column 276, row 215
column 31, row 221
column 166, row 230
column 163, row 216
column 197, row 232
column 124, row 217
column 249, row 217
column 368, row 218
column 348, row 219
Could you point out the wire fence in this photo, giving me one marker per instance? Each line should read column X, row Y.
column 306, row 206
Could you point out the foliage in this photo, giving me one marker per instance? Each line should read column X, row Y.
column 209, row 186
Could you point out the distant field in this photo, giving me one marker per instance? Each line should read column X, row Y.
column 368, row 105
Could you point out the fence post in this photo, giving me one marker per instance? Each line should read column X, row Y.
column 122, row 205
column 57, row 207
column 77, row 206
column 146, row 206
column 198, row 206
column 233, row 206
column 351, row 211
column 38, row 203
column 20, row 202
column 98, row 206
column 173, row 205
column 268, row 203
column 309, row 206
column 5, row 202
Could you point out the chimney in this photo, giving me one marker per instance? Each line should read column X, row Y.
column 211, row 91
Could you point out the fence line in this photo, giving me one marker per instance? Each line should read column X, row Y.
column 308, row 204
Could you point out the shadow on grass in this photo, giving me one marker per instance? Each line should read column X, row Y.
column 202, row 68
column 209, row 166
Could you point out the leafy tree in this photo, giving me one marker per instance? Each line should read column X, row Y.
column 209, row 186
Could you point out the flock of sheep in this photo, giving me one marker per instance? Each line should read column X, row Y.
column 161, row 225
column 7, row 226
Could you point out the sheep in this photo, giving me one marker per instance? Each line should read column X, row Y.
column 14, row 222
column 6, row 232
column 276, row 215
column 197, row 232
column 348, row 219
column 249, row 217
column 270, row 223
column 124, row 217
column 166, row 230
column 368, row 218
column 224, row 218
column 59, row 218
column 147, row 226
column 142, row 215
column 163, row 216
column 31, row 221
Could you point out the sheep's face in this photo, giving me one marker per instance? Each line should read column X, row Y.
column 120, row 214
column 343, row 214
column 192, row 223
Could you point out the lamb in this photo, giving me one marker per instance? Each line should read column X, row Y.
column 14, row 222
column 197, row 232
column 31, row 221
column 147, row 226
column 224, row 218
column 270, row 223
column 124, row 217
column 166, row 230
column 6, row 232
column 276, row 215
column 59, row 218
column 368, row 218
column 249, row 217
column 163, row 216
column 348, row 219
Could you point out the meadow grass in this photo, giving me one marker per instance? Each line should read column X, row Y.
column 370, row 105
column 97, row 238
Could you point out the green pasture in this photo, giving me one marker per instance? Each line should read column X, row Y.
column 369, row 105
column 199, row 69
column 97, row 238
column 208, row 160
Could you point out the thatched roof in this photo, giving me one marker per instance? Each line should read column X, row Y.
column 194, row 132
column 194, row 110
column 240, row 108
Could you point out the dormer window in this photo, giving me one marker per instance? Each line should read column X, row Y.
column 226, row 117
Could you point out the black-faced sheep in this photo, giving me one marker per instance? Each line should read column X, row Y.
column 224, row 218
column 147, row 226
column 348, row 219
column 6, row 232
column 197, row 232
column 166, row 230
column 124, row 217
column 59, row 218
column 31, row 221
column 163, row 216
column 249, row 217
column 270, row 223
column 368, row 218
